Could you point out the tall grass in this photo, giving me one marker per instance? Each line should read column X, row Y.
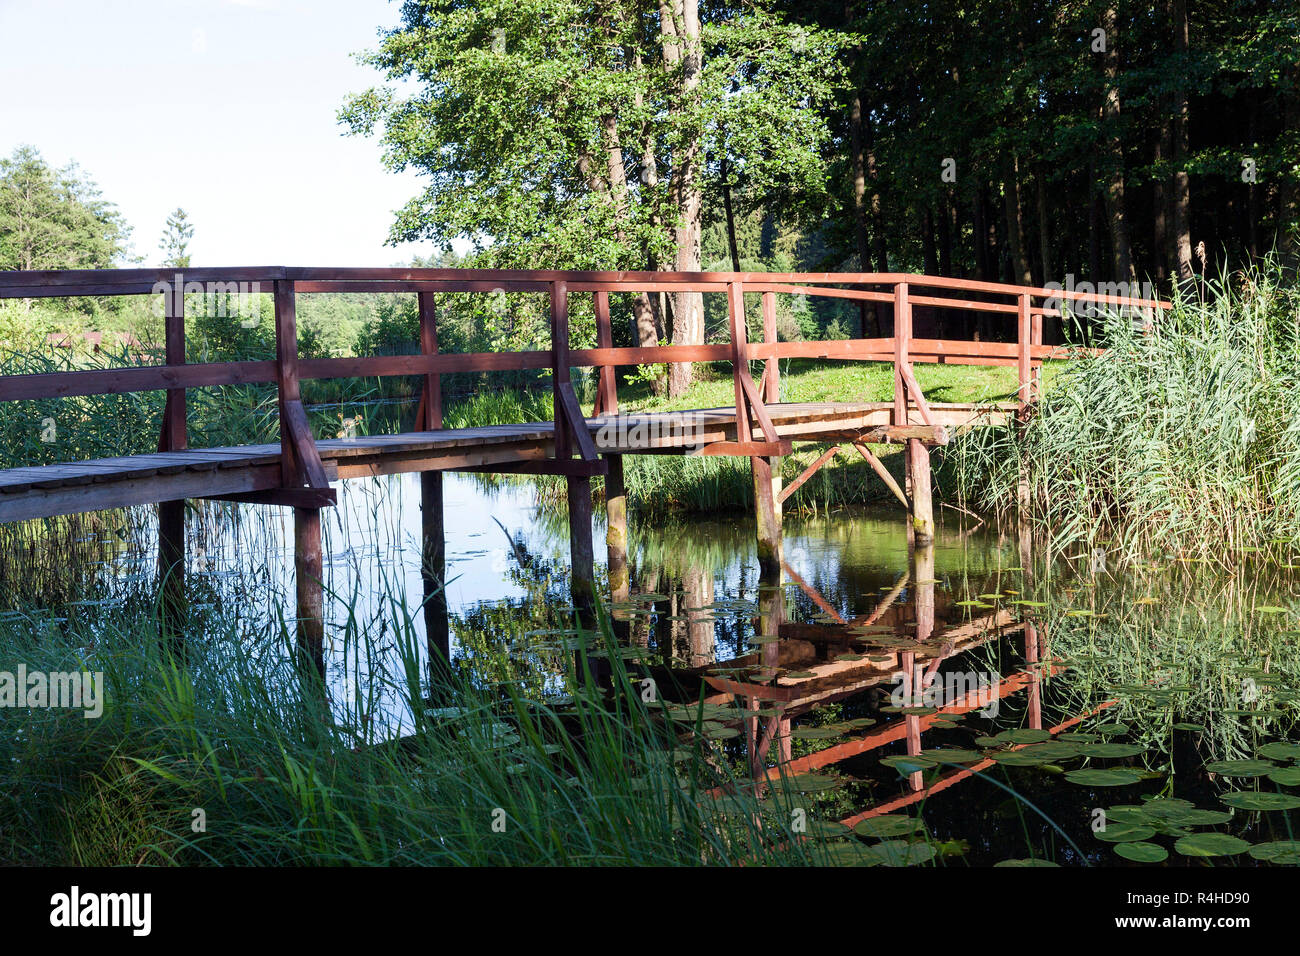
column 278, row 775
column 1184, row 437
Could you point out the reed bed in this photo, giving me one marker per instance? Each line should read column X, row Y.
column 1184, row 436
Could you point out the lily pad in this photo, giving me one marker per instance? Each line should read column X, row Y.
column 1211, row 844
column 1286, row 852
column 902, row 853
column 1286, row 776
column 891, row 825
column 1280, row 750
column 1252, row 800
column 1125, row 833
column 1103, row 777
column 1112, row 750
column 1142, row 852
column 1026, row 861
column 1240, row 768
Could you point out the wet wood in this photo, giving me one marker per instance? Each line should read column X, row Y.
column 616, row 530
column 309, row 583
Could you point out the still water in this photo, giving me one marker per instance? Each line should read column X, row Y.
column 968, row 704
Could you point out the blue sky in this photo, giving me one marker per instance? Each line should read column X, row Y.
column 224, row 107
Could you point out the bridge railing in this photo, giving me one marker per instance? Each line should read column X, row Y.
column 300, row 462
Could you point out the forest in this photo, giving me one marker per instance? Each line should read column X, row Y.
column 1034, row 143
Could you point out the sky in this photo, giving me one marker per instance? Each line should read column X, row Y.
column 226, row 108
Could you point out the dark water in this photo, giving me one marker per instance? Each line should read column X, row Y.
column 1084, row 707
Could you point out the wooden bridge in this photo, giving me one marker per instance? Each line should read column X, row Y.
column 298, row 471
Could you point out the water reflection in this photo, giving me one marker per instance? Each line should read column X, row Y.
column 970, row 697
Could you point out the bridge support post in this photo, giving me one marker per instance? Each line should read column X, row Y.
column 171, row 571
column 918, row 466
column 616, row 529
column 309, row 579
column 581, row 552
column 767, row 513
column 433, row 574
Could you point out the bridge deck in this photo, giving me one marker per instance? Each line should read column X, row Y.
column 50, row 490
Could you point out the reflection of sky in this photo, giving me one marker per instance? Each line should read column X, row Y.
column 372, row 553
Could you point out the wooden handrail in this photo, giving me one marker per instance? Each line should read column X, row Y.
column 300, row 461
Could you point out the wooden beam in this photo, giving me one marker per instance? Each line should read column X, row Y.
column 879, row 468
column 290, row 497
column 574, row 422
column 571, row 467
column 808, row 473
column 750, row 448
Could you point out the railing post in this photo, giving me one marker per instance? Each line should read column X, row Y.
column 171, row 514
column 296, row 468
column 1023, row 338
column 286, row 378
column 430, row 416
column 581, row 552
column 764, row 471
column 772, row 371
column 433, row 542
column 560, row 365
column 607, row 386
column 916, row 457
column 1035, row 364
column 902, row 333
column 739, row 356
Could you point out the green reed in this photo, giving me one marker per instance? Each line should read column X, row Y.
column 1184, row 436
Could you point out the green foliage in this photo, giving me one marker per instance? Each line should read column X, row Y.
column 54, row 218
column 519, row 104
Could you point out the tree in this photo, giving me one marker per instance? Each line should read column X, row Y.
column 175, row 241
column 55, row 219
column 570, row 134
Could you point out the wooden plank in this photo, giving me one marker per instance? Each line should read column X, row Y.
column 138, row 490
column 570, row 467
column 289, row 497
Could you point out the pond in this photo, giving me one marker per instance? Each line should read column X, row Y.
column 969, row 703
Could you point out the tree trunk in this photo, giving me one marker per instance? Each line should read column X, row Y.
column 682, row 52
column 1113, row 148
column 1182, row 201
column 1288, row 193
column 729, row 215
column 867, row 310
column 1164, row 250
column 1015, row 220
column 1046, row 256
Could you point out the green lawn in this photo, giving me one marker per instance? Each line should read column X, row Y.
column 820, row 380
